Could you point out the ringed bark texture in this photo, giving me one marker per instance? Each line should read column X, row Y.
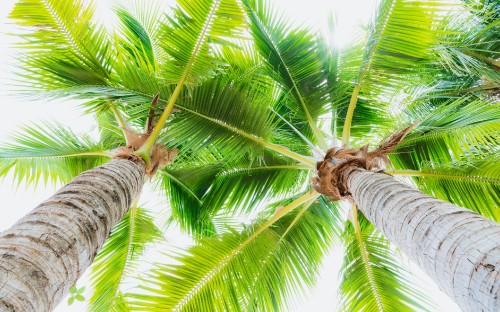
column 457, row 248
column 44, row 253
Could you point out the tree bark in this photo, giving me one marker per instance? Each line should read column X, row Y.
column 44, row 253
column 458, row 248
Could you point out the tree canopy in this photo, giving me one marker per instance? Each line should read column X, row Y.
column 252, row 103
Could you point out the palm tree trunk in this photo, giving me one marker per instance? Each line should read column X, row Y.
column 44, row 253
column 457, row 248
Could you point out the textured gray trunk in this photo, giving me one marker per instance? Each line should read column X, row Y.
column 44, row 253
column 458, row 248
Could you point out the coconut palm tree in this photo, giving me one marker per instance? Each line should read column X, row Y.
column 271, row 124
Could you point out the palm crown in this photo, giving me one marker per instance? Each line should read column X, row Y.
column 252, row 103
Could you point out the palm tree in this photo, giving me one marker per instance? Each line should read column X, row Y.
column 252, row 105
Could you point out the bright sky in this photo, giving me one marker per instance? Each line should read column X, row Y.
column 17, row 112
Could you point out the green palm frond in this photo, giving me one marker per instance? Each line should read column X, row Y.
column 188, row 32
column 398, row 50
column 473, row 48
column 293, row 61
column 462, row 128
column 50, row 152
column 243, row 185
column 118, row 257
column 139, row 60
column 343, row 72
column 250, row 271
column 400, row 40
column 379, row 284
column 64, row 47
column 186, row 187
column 141, row 24
column 108, row 128
column 224, row 113
column 137, row 41
column 474, row 184
column 202, row 192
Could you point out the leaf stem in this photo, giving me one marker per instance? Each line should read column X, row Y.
column 299, row 215
column 365, row 67
column 119, row 118
column 346, row 132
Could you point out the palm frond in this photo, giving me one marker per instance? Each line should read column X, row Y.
column 137, row 41
column 188, row 32
column 118, row 257
column 472, row 49
column 185, row 187
column 398, row 50
column 223, row 113
column 250, row 271
column 474, row 184
column 380, row 283
column 142, row 26
column 459, row 129
column 241, row 187
column 64, row 47
column 50, row 152
column 292, row 58
column 202, row 192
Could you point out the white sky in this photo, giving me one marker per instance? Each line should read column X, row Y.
column 16, row 112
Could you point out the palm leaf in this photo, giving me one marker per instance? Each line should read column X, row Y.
column 224, row 113
column 186, row 36
column 242, row 186
column 65, row 47
column 458, row 129
column 398, row 50
column 185, row 187
column 118, row 257
column 293, row 61
column 474, row 184
column 249, row 271
column 50, row 152
column 137, row 40
column 473, row 47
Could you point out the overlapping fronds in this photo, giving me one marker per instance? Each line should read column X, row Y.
column 140, row 28
column 398, row 51
column 474, row 184
column 400, row 41
column 379, row 284
column 244, row 185
column 251, row 271
column 118, row 257
column 200, row 192
column 186, row 187
column 187, row 35
column 473, row 49
column 137, row 41
column 225, row 113
column 458, row 129
column 63, row 46
column 50, row 152
column 293, row 61
column 253, row 97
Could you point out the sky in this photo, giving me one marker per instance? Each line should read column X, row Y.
column 16, row 111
